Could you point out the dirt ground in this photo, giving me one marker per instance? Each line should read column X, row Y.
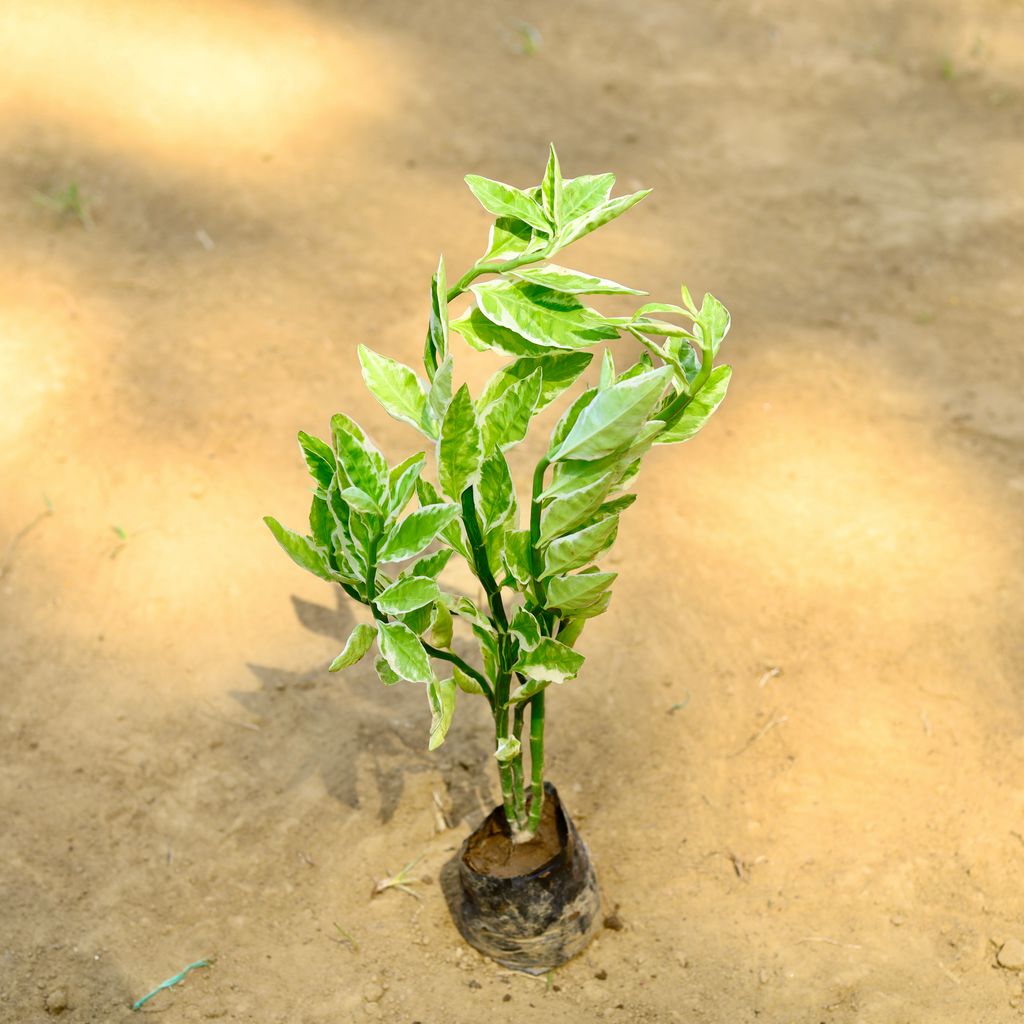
column 797, row 749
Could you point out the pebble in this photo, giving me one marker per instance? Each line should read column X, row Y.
column 56, row 1001
column 374, row 992
column 1011, row 955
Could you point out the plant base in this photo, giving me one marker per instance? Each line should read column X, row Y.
column 529, row 906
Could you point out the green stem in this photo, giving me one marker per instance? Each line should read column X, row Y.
column 678, row 405
column 492, row 268
column 506, row 770
column 518, row 770
column 536, row 563
column 454, row 659
column 480, row 563
column 536, row 762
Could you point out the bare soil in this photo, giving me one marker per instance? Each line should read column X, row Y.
column 797, row 748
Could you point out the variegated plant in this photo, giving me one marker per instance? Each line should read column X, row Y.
column 540, row 575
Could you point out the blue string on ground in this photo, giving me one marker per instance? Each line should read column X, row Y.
column 169, row 982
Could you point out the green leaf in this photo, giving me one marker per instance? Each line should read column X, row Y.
column 598, row 216
column 566, row 513
column 509, row 237
column 526, row 627
column 416, row 531
column 570, row 594
column 568, row 418
column 614, row 418
column 700, row 409
column 459, row 451
column 551, row 190
column 529, row 689
column 505, row 421
column 301, row 550
column 402, row 650
column 321, row 524
column 431, row 565
column 508, row 750
column 485, row 336
column 559, row 370
column 441, row 694
column 714, row 322
column 571, row 281
column 550, row 662
column 585, row 193
column 358, row 499
column 516, row 556
column 356, row 646
column 571, row 630
column 408, row 594
column 581, row 547
column 439, row 395
column 503, row 200
column 388, row 676
column 396, row 387
column 359, row 462
column 319, row 458
column 402, row 483
column 545, row 317
column 441, row 626
column 453, row 532
column 496, row 496
column 436, row 348
column 607, row 378
column 467, row 684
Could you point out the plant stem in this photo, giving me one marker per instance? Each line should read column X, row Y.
column 480, row 563
column 518, row 768
column 536, row 762
column 493, row 268
column 454, row 659
column 536, row 565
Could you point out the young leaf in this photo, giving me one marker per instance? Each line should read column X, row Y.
column 551, row 190
column 566, row 513
column 496, row 496
column 598, row 216
column 441, row 694
column 321, row 524
column 568, row 418
column 358, row 499
column 431, row 565
column 408, row 594
column 559, row 370
column 607, row 378
column 388, row 676
column 714, row 321
column 441, row 625
column 570, row 594
column 301, row 550
column 416, row 531
column 319, row 458
column 571, row 281
column 508, row 750
column 418, row 620
column 459, row 451
column 436, row 349
column 402, row 483
column 505, row 421
column 581, row 547
column 485, row 336
column 614, row 418
column 503, row 200
column 509, row 237
column 453, row 532
column 516, row 556
column 402, row 650
column 571, row 630
column 583, row 194
column 359, row 463
column 467, row 684
column 396, row 387
column 549, row 662
column 439, row 395
column 356, row 646
column 549, row 318
column 700, row 408
column 529, row 689
column 526, row 628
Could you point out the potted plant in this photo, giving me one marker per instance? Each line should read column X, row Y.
column 528, row 893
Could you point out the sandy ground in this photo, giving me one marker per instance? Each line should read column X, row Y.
column 797, row 749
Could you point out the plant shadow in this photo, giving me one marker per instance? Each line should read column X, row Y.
column 347, row 727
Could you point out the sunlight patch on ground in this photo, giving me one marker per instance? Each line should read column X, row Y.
column 186, row 84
